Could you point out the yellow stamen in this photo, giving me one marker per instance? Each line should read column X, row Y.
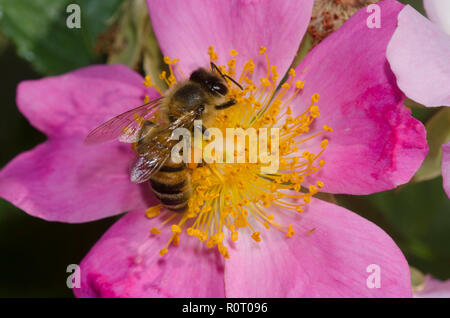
column 153, row 211
column 232, row 197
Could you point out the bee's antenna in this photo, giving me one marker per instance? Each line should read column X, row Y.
column 225, row 76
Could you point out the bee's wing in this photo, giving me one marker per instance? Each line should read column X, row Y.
column 125, row 126
column 156, row 149
column 145, row 167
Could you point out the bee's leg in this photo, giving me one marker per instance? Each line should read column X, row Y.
column 148, row 127
column 147, row 130
column 204, row 132
column 230, row 103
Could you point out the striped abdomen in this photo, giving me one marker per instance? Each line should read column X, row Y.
column 171, row 186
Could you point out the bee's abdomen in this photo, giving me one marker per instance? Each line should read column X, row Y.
column 171, row 186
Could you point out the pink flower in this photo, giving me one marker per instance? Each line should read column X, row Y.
column 433, row 288
column 439, row 12
column 419, row 55
column 375, row 145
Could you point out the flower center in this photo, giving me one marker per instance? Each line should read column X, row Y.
column 232, row 198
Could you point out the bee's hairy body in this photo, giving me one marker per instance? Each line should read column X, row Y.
column 203, row 95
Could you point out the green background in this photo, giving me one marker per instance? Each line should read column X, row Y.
column 35, row 42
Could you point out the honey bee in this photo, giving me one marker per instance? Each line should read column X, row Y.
column 150, row 128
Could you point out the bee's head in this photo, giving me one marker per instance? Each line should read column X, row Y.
column 210, row 81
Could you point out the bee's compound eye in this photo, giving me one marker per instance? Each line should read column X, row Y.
column 219, row 88
column 197, row 76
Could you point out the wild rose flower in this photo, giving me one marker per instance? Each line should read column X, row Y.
column 419, row 55
column 433, row 288
column 357, row 138
column 439, row 12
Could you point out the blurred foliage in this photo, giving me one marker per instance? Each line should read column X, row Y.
column 417, row 217
column 38, row 29
column 417, row 279
column 135, row 43
column 35, row 253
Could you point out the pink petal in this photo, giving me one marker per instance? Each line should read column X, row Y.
column 434, row 289
column 185, row 30
column 64, row 180
column 419, row 55
column 126, row 263
column 376, row 144
column 77, row 102
column 446, row 167
column 327, row 257
column 439, row 12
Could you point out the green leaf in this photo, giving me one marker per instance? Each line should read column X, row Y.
column 303, row 50
column 438, row 133
column 39, row 31
column 135, row 44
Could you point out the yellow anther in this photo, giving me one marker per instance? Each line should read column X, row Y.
column 191, row 214
column 289, row 111
column 256, row 236
column 265, row 82
column 290, row 231
column 175, row 229
column 212, row 54
column 234, row 236
column 320, row 184
column 224, row 251
column 249, row 66
column 300, row 84
column 203, row 236
column 262, row 50
column 148, row 81
column 315, row 98
column 153, row 211
column 240, row 221
column 155, row 231
column 314, row 110
column 275, row 75
column 324, row 143
column 167, row 60
column 163, row 251
column 327, row 128
column 313, row 189
column 292, row 72
column 233, row 52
